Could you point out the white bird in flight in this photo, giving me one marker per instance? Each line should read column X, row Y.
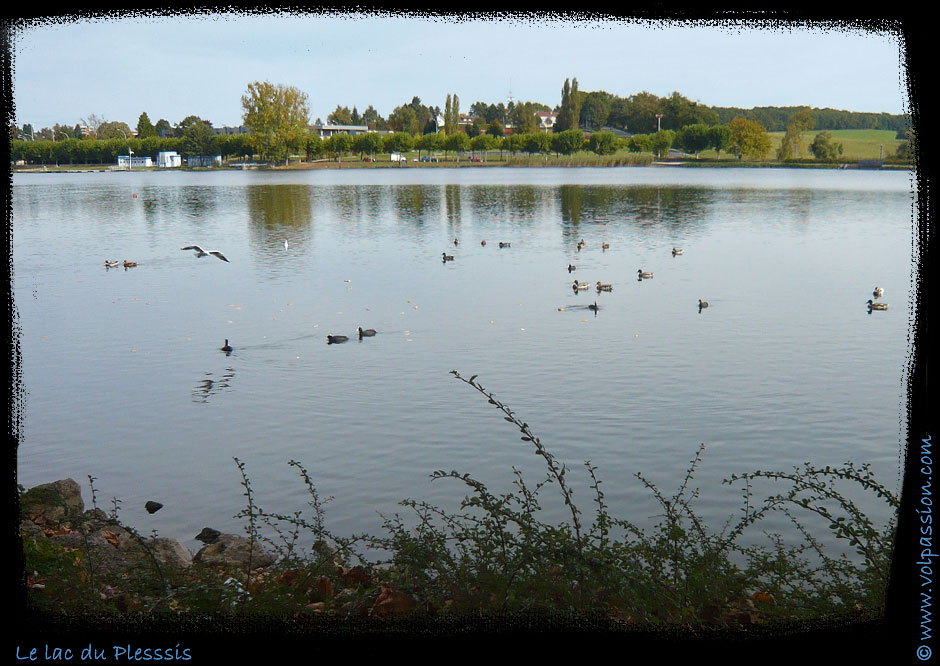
column 202, row 253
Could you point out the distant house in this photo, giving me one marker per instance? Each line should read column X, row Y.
column 546, row 120
column 134, row 162
column 168, row 159
column 326, row 131
column 241, row 129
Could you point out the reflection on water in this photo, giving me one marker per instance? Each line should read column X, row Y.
column 773, row 373
column 206, row 388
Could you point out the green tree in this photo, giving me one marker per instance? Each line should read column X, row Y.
column 403, row 119
column 639, row 143
column 595, row 109
column 524, row 120
column 569, row 112
column 313, row 146
column 338, row 145
column 368, row 142
column 824, row 148
column 113, row 130
column 145, row 128
column 792, row 143
column 458, row 143
column 907, row 147
column 693, row 138
column 451, row 114
column 748, row 138
column 604, row 142
column 277, row 116
column 163, row 127
column 719, row 138
column 661, row 142
column 398, row 142
column 567, row 142
column 495, row 129
column 198, row 139
column 372, row 119
column 340, row 116
column 428, row 143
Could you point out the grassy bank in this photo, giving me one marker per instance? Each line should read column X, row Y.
column 495, row 555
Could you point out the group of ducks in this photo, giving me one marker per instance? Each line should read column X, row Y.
column 117, row 264
column 873, row 305
column 600, row 286
column 450, row 257
column 336, row 339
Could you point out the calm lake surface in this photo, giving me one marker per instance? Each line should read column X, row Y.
column 123, row 378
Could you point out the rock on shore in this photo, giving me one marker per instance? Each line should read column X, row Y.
column 55, row 511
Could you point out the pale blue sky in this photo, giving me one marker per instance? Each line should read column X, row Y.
column 173, row 67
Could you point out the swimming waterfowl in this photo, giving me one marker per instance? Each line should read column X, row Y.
column 579, row 285
column 580, row 244
column 571, row 267
column 447, row 257
column 129, row 264
column 226, row 347
column 676, row 251
column 504, row 244
column 604, row 287
column 483, row 242
column 335, row 339
column 594, row 306
column 643, row 274
column 456, row 242
column 877, row 306
column 702, row 304
column 111, row 264
column 604, row 246
column 202, row 253
column 878, row 292
column 367, row 333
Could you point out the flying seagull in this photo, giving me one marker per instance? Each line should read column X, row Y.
column 202, row 253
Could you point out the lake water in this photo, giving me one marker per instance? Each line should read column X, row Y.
column 123, row 378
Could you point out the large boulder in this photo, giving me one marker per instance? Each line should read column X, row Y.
column 234, row 550
column 53, row 501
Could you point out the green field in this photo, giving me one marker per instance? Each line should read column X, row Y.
column 856, row 144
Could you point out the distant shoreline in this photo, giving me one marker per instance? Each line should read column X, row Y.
column 333, row 166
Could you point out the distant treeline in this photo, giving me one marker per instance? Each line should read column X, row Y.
column 775, row 118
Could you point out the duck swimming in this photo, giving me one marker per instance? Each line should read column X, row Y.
column 367, row 333
column 226, row 347
column 483, row 243
column 111, row 264
column 877, row 306
column 702, row 304
column 336, row 339
column 579, row 285
column 202, row 253
column 447, row 257
column 643, row 274
column 503, row 244
column 604, row 246
column 129, row 264
column 604, row 287
column 594, row 306
column 878, row 292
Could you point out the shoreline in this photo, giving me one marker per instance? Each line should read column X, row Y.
column 309, row 166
